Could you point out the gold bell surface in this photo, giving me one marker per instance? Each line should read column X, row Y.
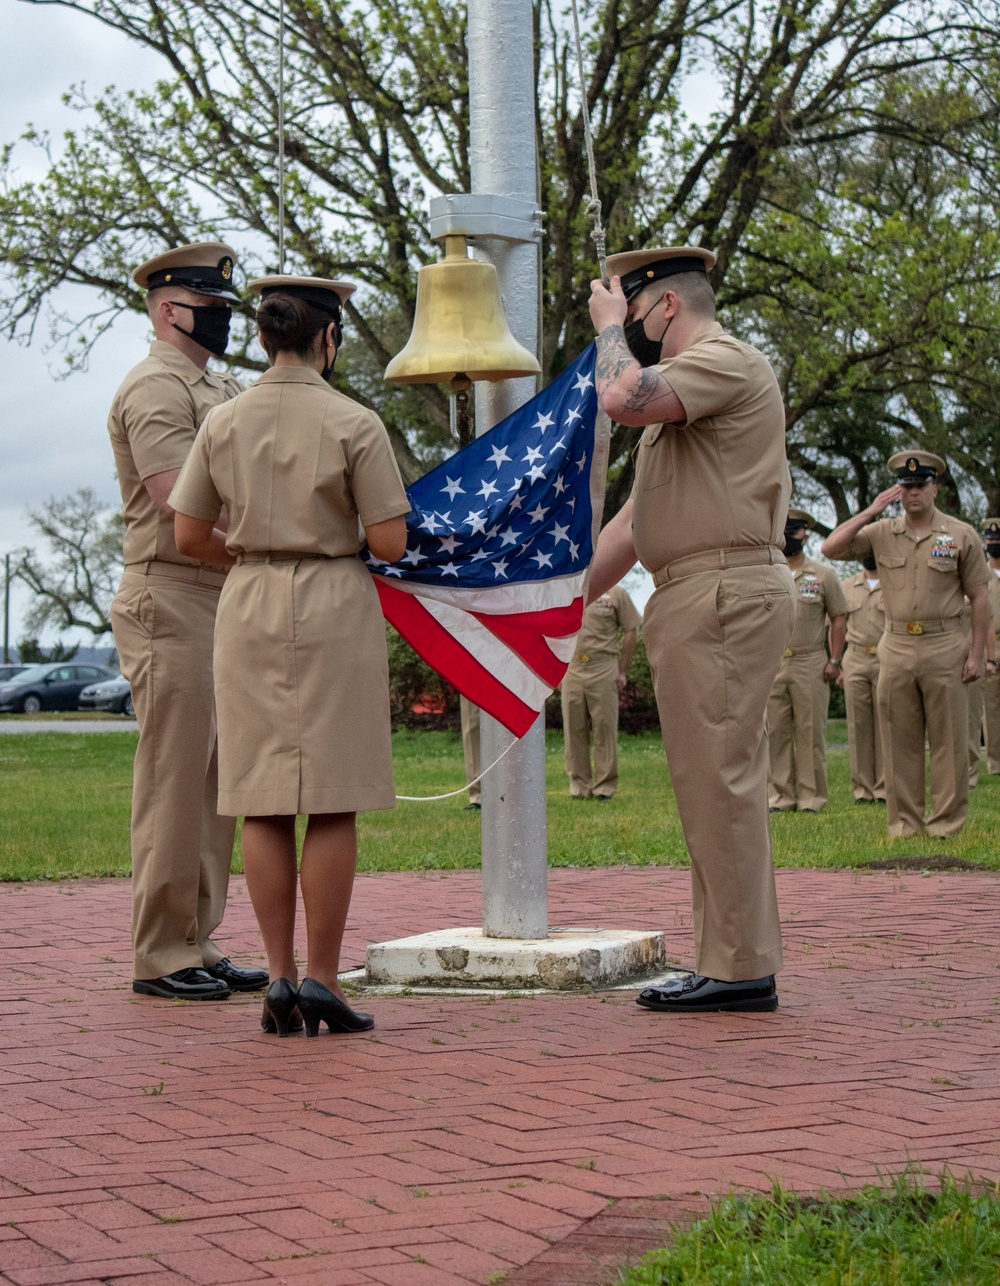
column 459, row 327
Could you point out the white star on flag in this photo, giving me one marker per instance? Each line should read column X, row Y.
column 487, row 490
column 501, row 567
column 476, row 520
column 453, row 488
column 499, row 456
column 543, row 560
column 583, row 382
column 414, row 557
column 532, row 456
column 543, row 422
column 559, row 533
column 449, row 544
column 571, row 416
column 449, row 569
column 537, row 514
column 510, row 537
column 535, row 473
column 430, row 523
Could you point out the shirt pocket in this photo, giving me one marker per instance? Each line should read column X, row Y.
column 656, row 458
column 893, row 571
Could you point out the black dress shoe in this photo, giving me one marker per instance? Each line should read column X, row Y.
column 473, row 808
column 318, row 1004
column 698, row 995
column 238, row 979
column 185, row 984
column 281, row 1013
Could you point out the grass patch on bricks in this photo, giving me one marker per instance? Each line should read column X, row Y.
column 901, row 1235
column 65, row 801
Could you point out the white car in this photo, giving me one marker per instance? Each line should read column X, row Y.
column 112, row 694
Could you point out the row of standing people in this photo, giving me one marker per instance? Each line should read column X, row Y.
column 935, row 591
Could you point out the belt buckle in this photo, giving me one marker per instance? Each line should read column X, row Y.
column 872, row 651
column 789, row 651
column 915, row 627
column 584, row 658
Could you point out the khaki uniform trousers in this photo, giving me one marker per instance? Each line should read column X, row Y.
column 863, row 737
column 181, row 848
column 796, row 727
column 991, row 703
column 977, row 704
column 470, row 747
column 920, row 692
column 590, row 703
column 715, row 641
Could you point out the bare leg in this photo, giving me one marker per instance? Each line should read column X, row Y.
column 269, row 863
column 329, row 856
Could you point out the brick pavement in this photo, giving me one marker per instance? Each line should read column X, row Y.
column 150, row 1143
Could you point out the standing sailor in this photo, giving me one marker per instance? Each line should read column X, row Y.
column 799, row 705
column 928, row 564
column 991, row 694
column 865, row 627
column 164, row 619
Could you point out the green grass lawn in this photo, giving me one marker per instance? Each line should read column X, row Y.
column 64, row 808
column 905, row 1235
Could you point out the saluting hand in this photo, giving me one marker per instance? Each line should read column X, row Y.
column 608, row 307
column 884, row 499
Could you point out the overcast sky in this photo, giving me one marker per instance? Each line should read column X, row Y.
column 53, row 436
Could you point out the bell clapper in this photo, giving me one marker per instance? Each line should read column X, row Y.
column 461, row 419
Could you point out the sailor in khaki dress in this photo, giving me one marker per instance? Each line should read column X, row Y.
column 590, row 693
column 865, row 627
column 991, row 694
column 706, row 517
column 301, row 670
column 163, row 618
column 928, row 564
column 799, row 705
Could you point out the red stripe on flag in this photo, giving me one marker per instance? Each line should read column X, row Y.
column 440, row 649
column 525, row 633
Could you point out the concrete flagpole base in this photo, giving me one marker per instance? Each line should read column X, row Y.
column 570, row 959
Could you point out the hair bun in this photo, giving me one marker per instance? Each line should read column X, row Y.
column 289, row 324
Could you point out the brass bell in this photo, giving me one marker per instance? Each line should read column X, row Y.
column 460, row 333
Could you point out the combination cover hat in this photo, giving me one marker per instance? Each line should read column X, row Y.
column 638, row 268
column 318, row 291
column 991, row 528
column 916, row 466
column 799, row 518
column 205, row 268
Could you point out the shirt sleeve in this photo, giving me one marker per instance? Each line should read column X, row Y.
column 708, row 378
column 194, row 493
column 628, row 617
column 158, row 420
column 973, row 568
column 836, row 603
column 373, row 473
column 861, row 546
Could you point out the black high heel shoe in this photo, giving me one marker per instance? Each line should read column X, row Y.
column 280, row 1005
column 318, row 1004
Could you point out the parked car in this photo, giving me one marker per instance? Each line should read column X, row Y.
column 8, row 671
column 113, row 694
column 55, row 686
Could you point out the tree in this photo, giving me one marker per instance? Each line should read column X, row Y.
column 74, row 586
column 787, row 171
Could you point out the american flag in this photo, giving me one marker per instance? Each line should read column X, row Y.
column 490, row 591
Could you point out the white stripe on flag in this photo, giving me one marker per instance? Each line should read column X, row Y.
column 490, row 652
column 501, row 600
column 563, row 648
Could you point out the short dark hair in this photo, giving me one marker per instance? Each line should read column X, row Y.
column 696, row 291
column 289, row 324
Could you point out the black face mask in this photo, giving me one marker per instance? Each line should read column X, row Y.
column 338, row 336
column 869, row 564
column 646, row 351
column 211, row 326
column 793, row 546
column 993, row 548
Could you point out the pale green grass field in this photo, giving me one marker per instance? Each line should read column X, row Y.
column 64, row 809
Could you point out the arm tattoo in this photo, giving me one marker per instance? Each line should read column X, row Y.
column 616, row 365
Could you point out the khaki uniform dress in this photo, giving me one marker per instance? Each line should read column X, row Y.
column 865, row 627
column 163, row 618
column 711, row 497
column 302, row 673
column 590, row 695
column 920, row 688
column 991, row 684
column 800, row 698
column 470, row 747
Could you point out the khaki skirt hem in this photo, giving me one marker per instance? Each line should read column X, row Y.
column 278, row 803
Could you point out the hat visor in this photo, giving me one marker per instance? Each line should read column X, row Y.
column 914, row 481
column 215, row 292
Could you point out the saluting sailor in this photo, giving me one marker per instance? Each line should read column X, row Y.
column 163, row 618
column 928, row 564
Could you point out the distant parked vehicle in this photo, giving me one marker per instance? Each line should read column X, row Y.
column 55, row 686
column 8, row 671
column 113, row 694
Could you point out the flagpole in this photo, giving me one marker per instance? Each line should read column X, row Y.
column 504, row 162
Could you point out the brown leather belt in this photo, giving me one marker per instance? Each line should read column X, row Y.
column 914, row 628
column 715, row 560
column 281, row 556
column 180, row 571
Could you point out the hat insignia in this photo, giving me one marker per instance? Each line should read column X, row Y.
column 226, row 267
column 912, row 463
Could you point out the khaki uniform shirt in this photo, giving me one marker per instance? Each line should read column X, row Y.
column 865, row 613
column 719, row 480
column 923, row 580
column 602, row 621
column 817, row 596
column 296, row 463
column 994, row 593
column 154, row 418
